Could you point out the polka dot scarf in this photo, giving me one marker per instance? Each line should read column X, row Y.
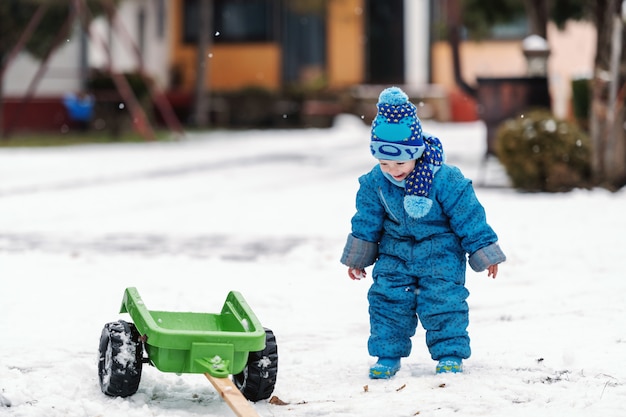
column 419, row 181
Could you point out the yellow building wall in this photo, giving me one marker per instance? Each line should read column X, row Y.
column 230, row 66
column 345, row 43
column 478, row 59
column 237, row 66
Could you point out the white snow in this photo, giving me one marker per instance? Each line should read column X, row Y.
column 266, row 213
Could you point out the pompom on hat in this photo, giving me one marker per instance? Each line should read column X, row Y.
column 397, row 136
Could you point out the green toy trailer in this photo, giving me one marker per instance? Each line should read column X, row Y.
column 216, row 345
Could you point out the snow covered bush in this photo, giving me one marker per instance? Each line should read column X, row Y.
column 542, row 153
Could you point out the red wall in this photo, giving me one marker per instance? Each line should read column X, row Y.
column 38, row 114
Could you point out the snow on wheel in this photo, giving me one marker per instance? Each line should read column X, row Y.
column 121, row 355
column 256, row 382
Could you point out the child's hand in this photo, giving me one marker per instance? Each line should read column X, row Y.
column 356, row 274
column 492, row 271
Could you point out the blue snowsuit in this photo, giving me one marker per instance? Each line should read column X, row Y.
column 419, row 263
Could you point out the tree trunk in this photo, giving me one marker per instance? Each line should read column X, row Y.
column 201, row 104
column 454, row 37
column 537, row 11
column 614, row 157
column 1, row 100
column 607, row 116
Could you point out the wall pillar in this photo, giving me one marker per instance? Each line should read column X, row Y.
column 416, row 42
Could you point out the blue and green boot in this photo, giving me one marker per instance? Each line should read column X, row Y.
column 449, row 365
column 385, row 368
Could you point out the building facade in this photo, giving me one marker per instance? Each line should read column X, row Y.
column 304, row 45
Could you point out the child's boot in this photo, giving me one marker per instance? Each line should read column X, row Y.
column 385, row 368
column 449, row 364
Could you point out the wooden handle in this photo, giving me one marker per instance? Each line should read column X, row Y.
column 233, row 397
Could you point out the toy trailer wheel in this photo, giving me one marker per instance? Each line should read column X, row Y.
column 121, row 357
column 257, row 380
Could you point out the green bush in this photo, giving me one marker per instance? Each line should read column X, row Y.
column 111, row 112
column 542, row 153
column 103, row 81
column 581, row 101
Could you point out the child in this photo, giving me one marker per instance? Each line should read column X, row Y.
column 416, row 218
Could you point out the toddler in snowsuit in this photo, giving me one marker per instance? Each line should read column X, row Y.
column 417, row 219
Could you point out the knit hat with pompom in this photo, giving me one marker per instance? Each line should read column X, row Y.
column 397, row 136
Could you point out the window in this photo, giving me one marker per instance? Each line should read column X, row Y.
column 160, row 26
column 234, row 20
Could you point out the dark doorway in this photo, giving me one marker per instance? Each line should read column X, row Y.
column 303, row 43
column 385, row 42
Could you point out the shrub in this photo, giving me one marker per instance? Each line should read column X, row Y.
column 581, row 101
column 542, row 153
column 103, row 81
column 111, row 112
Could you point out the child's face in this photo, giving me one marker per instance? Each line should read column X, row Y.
column 399, row 170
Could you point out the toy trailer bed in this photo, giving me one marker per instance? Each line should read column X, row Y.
column 216, row 345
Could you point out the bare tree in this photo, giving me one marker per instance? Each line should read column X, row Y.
column 607, row 97
column 537, row 12
column 201, row 102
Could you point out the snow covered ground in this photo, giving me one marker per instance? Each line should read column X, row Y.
column 266, row 213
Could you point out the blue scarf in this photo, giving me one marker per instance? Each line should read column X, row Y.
column 418, row 183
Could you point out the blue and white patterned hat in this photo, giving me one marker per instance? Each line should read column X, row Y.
column 397, row 136
column 396, row 130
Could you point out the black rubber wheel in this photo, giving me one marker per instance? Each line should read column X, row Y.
column 256, row 382
column 121, row 357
